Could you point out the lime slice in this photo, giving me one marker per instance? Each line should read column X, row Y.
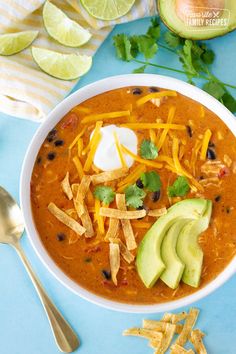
column 107, row 9
column 12, row 43
column 61, row 66
column 62, row 28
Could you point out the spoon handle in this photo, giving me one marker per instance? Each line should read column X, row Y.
column 64, row 335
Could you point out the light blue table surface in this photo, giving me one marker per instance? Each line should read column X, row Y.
column 23, row 325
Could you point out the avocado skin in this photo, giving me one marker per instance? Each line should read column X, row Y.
column 149, row 262
column 189, row 250
column 194, row 35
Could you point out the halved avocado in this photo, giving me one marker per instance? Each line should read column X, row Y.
column 149, row 262
column 189, row 250
column 198, row 19
column 174, row 266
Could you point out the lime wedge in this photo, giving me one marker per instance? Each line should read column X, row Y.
column 61, row 66
column 107, row 9
column 62, row 28
column 12, row 43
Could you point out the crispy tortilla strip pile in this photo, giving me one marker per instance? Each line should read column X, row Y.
column 161, row 333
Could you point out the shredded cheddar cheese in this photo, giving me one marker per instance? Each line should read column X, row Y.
column 175, row 153
column 98, row 217
column 133, row 175
column 150, row 96
column 118, row 148
column 202, row 112
column 78, row 166
column 194, row 155
column 137, row 126
column 77, row 138
column 81, row 109
column 93, row 146
column 152, row 136
column 103, row 116
column 80, row 145
column 139, row 159
column 205, row 143
column 165, row 131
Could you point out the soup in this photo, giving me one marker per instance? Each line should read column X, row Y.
column 113, row 171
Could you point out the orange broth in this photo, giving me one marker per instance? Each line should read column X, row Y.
column 85, row 259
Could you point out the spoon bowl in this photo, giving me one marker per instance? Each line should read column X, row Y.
column 11, row 230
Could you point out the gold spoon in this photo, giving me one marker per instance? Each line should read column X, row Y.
column 11, row 230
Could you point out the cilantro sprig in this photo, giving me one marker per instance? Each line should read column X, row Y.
column 151, row 181
column 179, row 188
column 134, row 196
column 195, row 57
column 105, row 194
column 148, row 150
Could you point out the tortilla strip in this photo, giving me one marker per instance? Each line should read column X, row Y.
column 112, row 229
column 196, row 339
column 120, row 214
column 109, row 176
column 188, row 325
column 160, row 326
column 66, row 219
column 143, row 332
column 114, row 256
column 81, row 208
column 81, row 194
column 126, row 254
column 177, row 317
column 167, row 338
column 126, row 225
column 157, row 212
column 167, row 317
column 65, row 185
column 177, row 349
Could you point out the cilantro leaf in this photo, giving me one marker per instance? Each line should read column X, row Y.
column 151, row 181
column 208, row 56
column 154, row 30
column 123, row 47
column 214, row 88
column 179, row 188
column 140, row 69
column 134, row 196
column 172, row 39
column 229, row 101
column 148, row 150
column 146, row 45
column 105, row 194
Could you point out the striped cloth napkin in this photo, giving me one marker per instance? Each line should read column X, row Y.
column 27, row 92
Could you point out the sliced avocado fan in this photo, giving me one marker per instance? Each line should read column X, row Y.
column 149, row 261
column 222, row 18
column 189, row 250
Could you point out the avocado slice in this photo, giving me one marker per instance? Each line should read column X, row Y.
column 174, row 266
column 189, row 250
column 149, row 262
column 173, row 15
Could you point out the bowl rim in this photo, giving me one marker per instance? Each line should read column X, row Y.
column 53, row 118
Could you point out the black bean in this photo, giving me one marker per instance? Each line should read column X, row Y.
column 39, row 159
column 61, row 236
column 51, row 135
column 211, row 155
column 106, row 274
column 189, row 131
column 139, row 183
column 228, row 210
column 201, row 177
column 51, row 156
column 211, row 144
column 137, row 91
column 153, row 89
column 156, row 196
column 59, row 142
column 88, row 260
column 141, row 207
column 217, row 198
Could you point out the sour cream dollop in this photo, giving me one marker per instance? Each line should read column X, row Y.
column 106, row 157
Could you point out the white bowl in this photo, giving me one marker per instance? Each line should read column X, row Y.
column 54, row 117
